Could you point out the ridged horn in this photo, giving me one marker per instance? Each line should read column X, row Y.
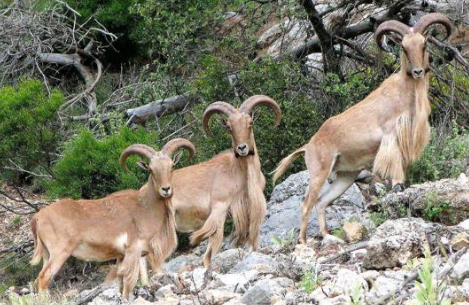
column 391, row 26
column 434, row 18
column 136, row 149
column 173, row 145
column 216, row 107
column 262, row 100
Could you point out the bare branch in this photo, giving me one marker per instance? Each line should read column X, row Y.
column 159, row 108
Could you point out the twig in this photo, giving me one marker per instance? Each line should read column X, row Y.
column 95, row 292
column 14, row 248
column 358, row 246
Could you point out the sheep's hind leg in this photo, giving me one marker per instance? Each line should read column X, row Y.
column 51, row 268
column 329, row 193
column 319, row 170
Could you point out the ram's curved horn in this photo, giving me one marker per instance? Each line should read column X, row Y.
column 262, row 100
column 136, row 149
column 431, row 19
column 173, row 145
column 216, row 107
column 391, row 26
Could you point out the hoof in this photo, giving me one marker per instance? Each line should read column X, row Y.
column 398, row 188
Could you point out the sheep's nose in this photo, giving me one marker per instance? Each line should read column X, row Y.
column 418, row 72
column 166, row 189
column 242, row 146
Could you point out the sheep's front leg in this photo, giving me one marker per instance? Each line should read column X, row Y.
column 213, row 229
column 128, row 270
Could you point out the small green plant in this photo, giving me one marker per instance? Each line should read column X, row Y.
column 356, row 298
column 16, row 221
column 434, row 206
column 379, row 217
column 412, row 264
column 310, row 281
column 340, row 233
column 429, row 290
column 287, row 241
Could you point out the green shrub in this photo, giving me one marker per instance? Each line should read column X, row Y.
column 304, row 109
column 90, row 167
column 310, row 281
column 29, row 127
column 172, row 31
column 14, row 272
column 446, row 156
column 435, row 207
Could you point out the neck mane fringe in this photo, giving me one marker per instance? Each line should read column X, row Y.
column 248, row 210
column 410, row 136
column 164, row 241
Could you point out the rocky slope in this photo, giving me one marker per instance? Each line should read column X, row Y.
column 377, row 265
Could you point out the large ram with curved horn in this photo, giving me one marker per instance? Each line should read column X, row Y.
column 386, row 131
column 125, row 225
column 231, row 182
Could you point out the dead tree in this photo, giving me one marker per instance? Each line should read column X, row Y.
column 42, row 43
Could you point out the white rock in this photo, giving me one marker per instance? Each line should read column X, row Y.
column 262, row 292
column 218, row 297
column 256, row 261
column 239, row 281
column 141, row 301
column 346, row 282
column 395, row 242
column 226, row 260
column 331, row 240
column 322, row 292
column 339, row 300
column 461, row 269
column 181, row 263
column 382, row 287
column 304, row 257
column 464, row 224
column 370, row 276
column 165, row 291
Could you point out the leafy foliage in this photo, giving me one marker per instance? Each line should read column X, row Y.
column 289, row 240
column 446, row 156
column 434, row 206
column 310, row 281
column 16, row 272
column 28, row 116
column 356, row 297
column 90, row 166
column 176, row 27
column 429, row 290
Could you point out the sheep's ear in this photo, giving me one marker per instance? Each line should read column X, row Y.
column 177, row 157
column 143, row 166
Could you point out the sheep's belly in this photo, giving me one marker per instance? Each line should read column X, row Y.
column 188, row 223
column 94, row 253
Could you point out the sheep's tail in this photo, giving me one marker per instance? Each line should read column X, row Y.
column 285, row 163
column 38, row 245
